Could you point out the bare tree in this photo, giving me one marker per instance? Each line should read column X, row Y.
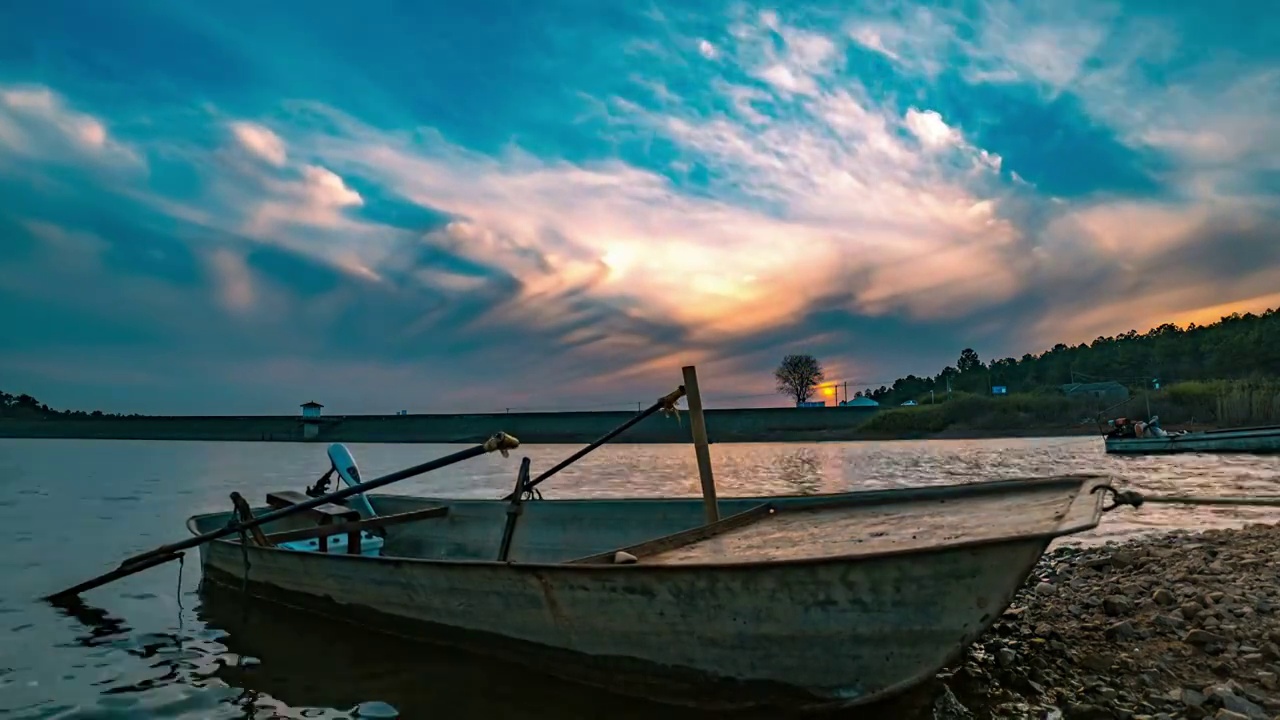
column 797, row 375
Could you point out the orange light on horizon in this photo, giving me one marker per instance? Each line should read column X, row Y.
column 829, row 391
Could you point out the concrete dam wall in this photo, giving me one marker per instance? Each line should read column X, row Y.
column 731, row 425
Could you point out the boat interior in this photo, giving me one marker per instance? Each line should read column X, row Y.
column 676, row 530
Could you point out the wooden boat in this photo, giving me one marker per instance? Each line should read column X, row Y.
column 796, row 601
column 1232, row 440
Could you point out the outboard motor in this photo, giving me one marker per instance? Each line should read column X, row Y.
column 345, row 464
column 342, row 462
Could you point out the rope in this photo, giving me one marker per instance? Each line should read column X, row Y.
column 181, row 610
column 501, row 442
column 244, row 555
column 244, row 551
column 181, row 562
column 669, row 401
column 1135, row 499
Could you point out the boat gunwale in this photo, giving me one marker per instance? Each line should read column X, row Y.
column 1249, row 432
column 1085, row 481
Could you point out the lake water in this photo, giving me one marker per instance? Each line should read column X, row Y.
column 155, row 647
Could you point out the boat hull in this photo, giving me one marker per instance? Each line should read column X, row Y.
column 1243, row 440
column 819, row 634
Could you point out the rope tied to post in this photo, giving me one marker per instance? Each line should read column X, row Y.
column 1120, row 498
column 1135, row 499
column 236, row 523
column 668, row 403
column 501, row 442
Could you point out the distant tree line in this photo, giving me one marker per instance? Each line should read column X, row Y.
column 1237, row 347
column 27, row 407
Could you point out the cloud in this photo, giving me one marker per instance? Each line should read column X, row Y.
column 37, row 125
column 261, row 142
column 235, row 285
column 930, row 129
column 874, row 183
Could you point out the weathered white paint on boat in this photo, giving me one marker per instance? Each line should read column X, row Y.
column 1239, row 440
column 838, row 600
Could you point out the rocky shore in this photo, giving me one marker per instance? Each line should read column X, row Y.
column 1184, row 625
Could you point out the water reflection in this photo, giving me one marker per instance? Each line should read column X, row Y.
column 801, row 471
column 311, row 662
column 323, row 665
column 102, row 625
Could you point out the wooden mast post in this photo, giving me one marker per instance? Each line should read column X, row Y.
column 701, row 449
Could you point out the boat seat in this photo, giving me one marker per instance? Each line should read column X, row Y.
column 323, row 514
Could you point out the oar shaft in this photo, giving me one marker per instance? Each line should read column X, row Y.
column 313, row 503
column 663, row 402
column 122, row 571
column 137, row 563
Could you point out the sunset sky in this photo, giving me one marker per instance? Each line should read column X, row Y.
column 226, row 207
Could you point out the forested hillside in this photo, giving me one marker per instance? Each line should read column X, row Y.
column 1226, row 375
column 1237, row 347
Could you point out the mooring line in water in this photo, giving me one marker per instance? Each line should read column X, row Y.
column 244, row 555
column 181, row 610
column 181, row 562
column 1135, row 499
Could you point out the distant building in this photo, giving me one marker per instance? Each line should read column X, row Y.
column 1112, row 391
column 861, row 401
column 310, row 420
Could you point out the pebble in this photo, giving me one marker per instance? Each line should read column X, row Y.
column 1182, row 625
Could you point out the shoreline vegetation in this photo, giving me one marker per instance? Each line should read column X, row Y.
column 1193, row 405
column 1216, row 376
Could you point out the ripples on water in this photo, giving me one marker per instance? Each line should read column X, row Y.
column 72, row 509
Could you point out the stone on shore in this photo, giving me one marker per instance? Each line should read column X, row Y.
column 1182, row 625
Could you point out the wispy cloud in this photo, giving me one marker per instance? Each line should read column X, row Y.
column 733, row 184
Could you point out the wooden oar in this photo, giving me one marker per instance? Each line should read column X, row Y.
column 666, row 402
column 501, row 442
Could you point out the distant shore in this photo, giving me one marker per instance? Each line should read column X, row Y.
column 748, row 425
